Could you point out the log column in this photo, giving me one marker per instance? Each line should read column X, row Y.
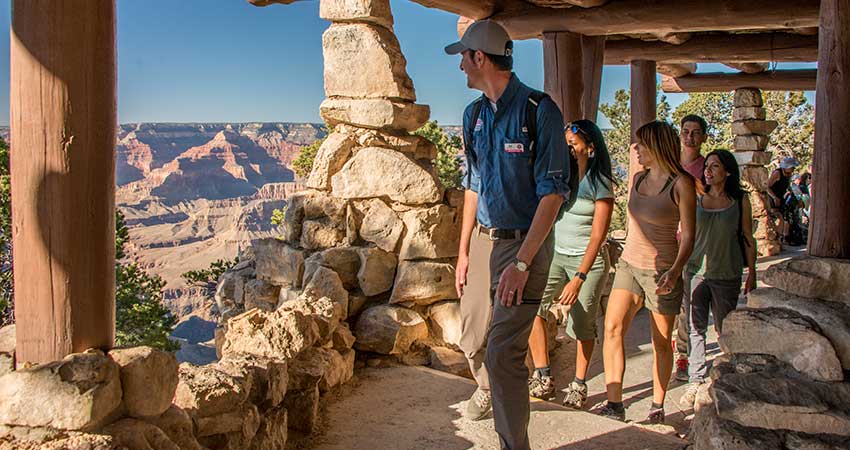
column 63, row 124
column 573, row 73
column 643, row 107
column 829, row 231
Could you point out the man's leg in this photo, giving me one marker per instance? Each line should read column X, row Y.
column 476, row 309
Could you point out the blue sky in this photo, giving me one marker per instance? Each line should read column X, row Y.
column 229, row 61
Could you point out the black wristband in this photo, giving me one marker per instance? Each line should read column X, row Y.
column 582, row 276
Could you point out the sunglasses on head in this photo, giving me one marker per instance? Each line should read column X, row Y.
column 575, row 129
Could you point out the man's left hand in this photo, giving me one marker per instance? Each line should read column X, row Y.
column 511, row 284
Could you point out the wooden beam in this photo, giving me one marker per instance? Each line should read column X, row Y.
column 642, row 105
column 63, row 116
column 720, row 48
column 676, row 70
column 568, row 3
column 776, row 80
column 475, row 9
column 829, row 232
column 660, row 16
column 572, row 67
column 592, row 55
column 749, row 67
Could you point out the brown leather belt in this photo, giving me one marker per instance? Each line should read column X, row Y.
column 497, row 233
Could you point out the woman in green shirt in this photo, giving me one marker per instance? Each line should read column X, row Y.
column 576, row 275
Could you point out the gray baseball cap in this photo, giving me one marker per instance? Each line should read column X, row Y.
column 484, row 35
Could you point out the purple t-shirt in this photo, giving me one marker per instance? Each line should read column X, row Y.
column 695, row 168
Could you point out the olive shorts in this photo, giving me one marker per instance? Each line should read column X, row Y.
column 581, row 321
column 643, row 282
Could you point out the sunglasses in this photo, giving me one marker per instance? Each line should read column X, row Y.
column 575, row 129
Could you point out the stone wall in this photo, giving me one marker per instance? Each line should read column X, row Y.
column 782, row 380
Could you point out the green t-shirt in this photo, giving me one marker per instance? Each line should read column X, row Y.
column 572, row 229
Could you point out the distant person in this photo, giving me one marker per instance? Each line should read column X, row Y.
column 777, row 187
column 577, row 273
column 517, row 179
column 724, row 242
column 649, row 272
column 694, row 133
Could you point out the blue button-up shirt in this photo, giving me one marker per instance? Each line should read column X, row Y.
column 499, row 163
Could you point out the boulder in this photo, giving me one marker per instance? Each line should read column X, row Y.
column 342, row 339
column 769, row 248
column 372, row 11
column 452, row 361
column 326, row 283
column 345, row 261
column 381, row 172
column 245, row 420
column 784, row 334
column 325, row 314
column 377, row 270
column 352, row 225
column 261, row 294
column 374, row 113
column 389, row 329
column 148, row 379
column 7, row 349
column 178, row 426
column 833, row 318
column 318, row 234
column 756, row 177
column 86, row 385
column 302, row 409
column 330, row 157
column 248, row 421
column 446, row 322
column 134, row 434
column 432, row 233
column 269, row 378
column 310, row 204
column 812, row 277
column 322, row 367
column 205, row 391
column 356, row 302
column 710, row 432
column 230, row 293
column 277, row 334
column 417, row 147
column 380, row 224
column 748, row 113
column 752, row 158
column 760, row 127
column 272, row 433
column 750, row 142
column 364, row 61
column 424, row 282
column 748, row 97
column 278, row 263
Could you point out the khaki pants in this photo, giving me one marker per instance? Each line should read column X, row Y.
column 496, row 337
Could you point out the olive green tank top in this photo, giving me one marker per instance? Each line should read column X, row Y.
column 717, row 253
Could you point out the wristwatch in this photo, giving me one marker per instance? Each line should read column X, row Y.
column 521, row 266
column 582, row 276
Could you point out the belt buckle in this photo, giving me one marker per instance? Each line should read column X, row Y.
column 491, row 233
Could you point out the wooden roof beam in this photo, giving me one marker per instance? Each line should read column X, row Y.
column 720, row 48
column 749, row 67
column 676, row 70
column 777, row 80
column 660, row 16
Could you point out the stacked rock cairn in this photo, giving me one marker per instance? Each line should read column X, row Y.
column 782, row 381
column 751, row 132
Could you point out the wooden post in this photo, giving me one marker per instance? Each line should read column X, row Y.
column 573, row 73
column 63, row 125
column 643, row 94
column 829, row 232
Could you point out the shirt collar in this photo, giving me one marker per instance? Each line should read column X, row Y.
column 510, row 91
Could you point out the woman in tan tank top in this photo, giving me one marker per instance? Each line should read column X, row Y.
column 650, row 269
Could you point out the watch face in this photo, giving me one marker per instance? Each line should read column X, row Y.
column 521, row 266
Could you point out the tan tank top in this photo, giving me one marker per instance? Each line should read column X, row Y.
column 651, row 242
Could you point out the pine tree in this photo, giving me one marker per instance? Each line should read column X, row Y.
column 448, row 147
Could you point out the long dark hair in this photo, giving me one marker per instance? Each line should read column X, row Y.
column 732, row 185
column 600, row 165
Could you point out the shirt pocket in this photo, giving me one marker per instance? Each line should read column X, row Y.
column 516, row 146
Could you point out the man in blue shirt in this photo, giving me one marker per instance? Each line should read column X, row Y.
column 515, row 186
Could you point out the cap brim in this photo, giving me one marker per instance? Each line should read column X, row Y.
column 454, row 49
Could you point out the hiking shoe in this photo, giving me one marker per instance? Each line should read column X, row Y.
column 479, row 405
column 655, row 416
column 689, row 398
column 682, row 369
column 576, row 395
column 605, row 410
column 541, row 387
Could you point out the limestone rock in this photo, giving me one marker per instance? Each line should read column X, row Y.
column 238, row 439
column 810, row 277
column 262, row 295
column 7, row 349
column 750, row 142
column 372, row 11
column 364, row 61
column 748, row 97
column 377, row 270
column 244, row 420
column 352, row 225
column 87, row 385
column 389, row 329
column 452, row 361
column 272, row 433
column 276, row 334
column 748, row 113
column 356, row 302
column 329, row 159
column 345, row 261
column 769, row 248
column 137, row 435
column 302, row 409
column 784, row 334
column 178, row 426
column 318, row 234
column 713, row 433
column 374, row 113
column 756, row 177
column 269, row 378
column 325, row 368
column 424, row 282
column 205, row 391
column 148, row 379
column 833, row 318
column 230, row 293
column 325, row 313
column 342, row 339
column 278, row 263
column 326, row 283
column 380, row 172
column 760, row 127
column 445, row 321
column 418, row 147
column 454, row 197
column 753, row 158
column 380, row 224
column 432, row 233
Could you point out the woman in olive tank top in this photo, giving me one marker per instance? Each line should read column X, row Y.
column 724, row 241
column 650, row 269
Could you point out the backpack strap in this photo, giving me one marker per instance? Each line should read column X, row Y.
column 476, row 111
column 534, row 99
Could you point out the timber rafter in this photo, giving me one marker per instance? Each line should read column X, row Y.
column 775, row 80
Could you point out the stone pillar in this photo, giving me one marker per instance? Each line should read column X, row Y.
column 751, row 131
column 63, row 119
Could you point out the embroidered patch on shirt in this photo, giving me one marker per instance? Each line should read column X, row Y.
column 479, row 124
column 513, row 148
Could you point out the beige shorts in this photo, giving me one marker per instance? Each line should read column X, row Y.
column 643, row 282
